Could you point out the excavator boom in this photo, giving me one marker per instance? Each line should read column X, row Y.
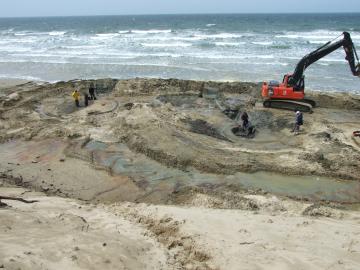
column 290, row 93
column 323, row 51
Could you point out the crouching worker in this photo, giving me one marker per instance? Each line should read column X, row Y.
column 246, row 129
column 76, row 96
column 298, row 122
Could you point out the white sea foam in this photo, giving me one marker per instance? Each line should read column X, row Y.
column 316, row 35
column 125, row 32
column 219, row 36
column 263, row 56
column 291, row 57
column 222, row 56
column 318, row 41
column 163, row 45
column 83, row 47
column 169, row 38
column 14, row 49
column 29, row 33
column 333, row 60
column 267, row 63
column 229, row 44
column 151, row 31
column 57, row 33
column 104, row 36
column 214, row 48
column 263, row 43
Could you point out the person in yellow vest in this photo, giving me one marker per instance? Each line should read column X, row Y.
column 76, row 96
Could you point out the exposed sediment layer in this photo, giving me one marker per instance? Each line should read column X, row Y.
column 181, row 124
column 169, row 142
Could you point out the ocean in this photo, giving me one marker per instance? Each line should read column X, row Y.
column 231, row 47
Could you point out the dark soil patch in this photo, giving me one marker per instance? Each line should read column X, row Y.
column 202, row 127
column 232, row 114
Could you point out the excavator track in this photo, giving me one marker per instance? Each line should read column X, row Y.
column 309, row 101
column 303, row 105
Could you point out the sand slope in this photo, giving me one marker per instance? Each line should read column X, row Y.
column 60, row 233
column 57, row 233
column 238, row 239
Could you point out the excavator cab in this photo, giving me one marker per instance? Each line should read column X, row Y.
column 300, row 86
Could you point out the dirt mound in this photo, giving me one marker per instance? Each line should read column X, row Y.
column 335, row 100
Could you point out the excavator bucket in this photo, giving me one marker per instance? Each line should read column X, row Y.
column 357, row 70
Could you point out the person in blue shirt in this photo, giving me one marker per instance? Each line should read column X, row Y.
column 298, row 122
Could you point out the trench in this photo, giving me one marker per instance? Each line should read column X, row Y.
column 157, row 182
column 151, row 175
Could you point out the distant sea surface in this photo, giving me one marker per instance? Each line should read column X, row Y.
column 199, row 47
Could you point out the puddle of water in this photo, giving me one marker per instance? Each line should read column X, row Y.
column 96, row 145
column 310, row 187
column 140, row 168
column 154, row 175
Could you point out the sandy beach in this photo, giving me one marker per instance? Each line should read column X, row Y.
column 280, row 234
column 6, row 83
column 150, row 176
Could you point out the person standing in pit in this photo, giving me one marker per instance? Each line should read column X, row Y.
column 86, row 99
column 298, row 122
column 92, row 92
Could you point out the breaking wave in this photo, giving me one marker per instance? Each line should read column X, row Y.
column 225, row 48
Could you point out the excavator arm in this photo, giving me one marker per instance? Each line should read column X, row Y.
column 290, row 93
column 321, row 52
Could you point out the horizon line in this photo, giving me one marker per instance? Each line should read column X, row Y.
column 167, row 14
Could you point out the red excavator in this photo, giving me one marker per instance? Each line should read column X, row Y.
column 290, row 93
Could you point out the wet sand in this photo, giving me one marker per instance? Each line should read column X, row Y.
column 6, row 83
column 152, row 148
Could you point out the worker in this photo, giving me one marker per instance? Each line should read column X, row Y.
column 92, row 92
column 245, row 119
column 86, row 99
column 76, row 96
column 298, row 122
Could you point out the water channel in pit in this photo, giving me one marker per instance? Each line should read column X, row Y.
column 120, row 160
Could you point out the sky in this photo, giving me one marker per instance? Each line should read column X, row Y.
column 30, row 8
